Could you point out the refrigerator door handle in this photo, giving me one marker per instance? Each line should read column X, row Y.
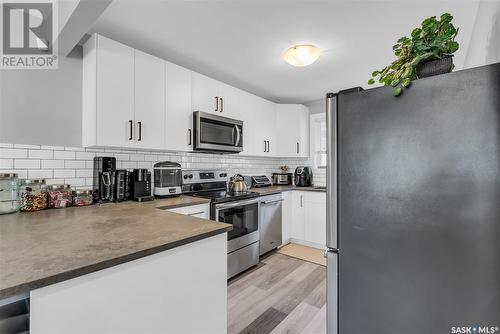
column 331, row 170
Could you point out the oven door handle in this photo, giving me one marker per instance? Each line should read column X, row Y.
column 235, row 204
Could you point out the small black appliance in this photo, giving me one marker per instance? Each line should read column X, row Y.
column 122, row 190
column 141, row 185
column 303, row 176
column 104, row 179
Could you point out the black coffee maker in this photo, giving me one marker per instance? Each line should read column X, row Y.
column 303, row 176
column 104, row 179
column 141, row 185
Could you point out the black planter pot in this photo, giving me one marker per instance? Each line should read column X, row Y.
column 435, row 67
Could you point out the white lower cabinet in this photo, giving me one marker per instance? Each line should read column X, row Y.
column 199, row 210
column 304, row 218
column 180, row 290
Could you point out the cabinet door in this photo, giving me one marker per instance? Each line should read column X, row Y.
column 230, row 101
column 179, row 136
column 115, row 94
column 303, row 125
column 205, row 94
column 298, row 212
column 288, row 205
column 269, row 125
column 288, row 130
column 315, row 211
column 149, row 101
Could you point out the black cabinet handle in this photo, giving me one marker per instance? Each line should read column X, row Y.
column 221, row 104
column 265, row 145
column 268, row 146
column 298, row 149
column 216, row 103
column 189, row 136
column 131, row 126
column 140, row 131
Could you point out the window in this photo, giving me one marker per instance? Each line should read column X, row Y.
column 318, row 137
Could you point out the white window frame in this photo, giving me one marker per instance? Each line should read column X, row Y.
column 315, row 140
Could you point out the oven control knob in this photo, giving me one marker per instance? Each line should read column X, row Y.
column 185, row 176
column 190, row 176
column 222, row 175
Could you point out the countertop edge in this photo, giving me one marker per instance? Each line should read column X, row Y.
column 64, row 276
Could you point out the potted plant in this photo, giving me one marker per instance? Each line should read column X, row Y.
column 428, row 51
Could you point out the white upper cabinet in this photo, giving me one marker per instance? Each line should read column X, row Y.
column 123, row 96
column 149, row 101
column 205, row 94
column 259, row 127
column 108, row 93
column 179, row 134
column 213, row 96
column 134, row 100
column 293, row 130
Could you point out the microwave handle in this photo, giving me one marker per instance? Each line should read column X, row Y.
column 238, row 135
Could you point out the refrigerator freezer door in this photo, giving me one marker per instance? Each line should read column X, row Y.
column 331, row 171
column 331, row 292
column 419, row 205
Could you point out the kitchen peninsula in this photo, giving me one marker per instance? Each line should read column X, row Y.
column 128, row 267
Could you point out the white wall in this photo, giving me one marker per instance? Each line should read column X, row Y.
column 484, row 47
column 318, row 106
column 42, row 107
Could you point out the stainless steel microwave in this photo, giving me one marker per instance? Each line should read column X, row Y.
column 214, row 133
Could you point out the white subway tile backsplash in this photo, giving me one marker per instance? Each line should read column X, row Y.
column 75, row 182
column 64, row 155
column 52, row 164
column 84, row 172
column 85, row 155
column 76, row 164
column 6, row 163
column 26, row 146
column 137, row 157
column 53, row 148
column 14, row 153
column 121, row 156
column 40, row 154
column 26, row 163
column 64, row 173
column 40, row 173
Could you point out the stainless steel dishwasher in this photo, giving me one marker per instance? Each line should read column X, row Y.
column 270, row 222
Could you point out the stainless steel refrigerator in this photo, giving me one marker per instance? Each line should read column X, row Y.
column 414, row 207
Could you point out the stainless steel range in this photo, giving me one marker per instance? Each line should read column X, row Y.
column 242, row 210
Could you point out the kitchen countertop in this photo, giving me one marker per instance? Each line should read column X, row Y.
column 46, row 247
column 279, row 189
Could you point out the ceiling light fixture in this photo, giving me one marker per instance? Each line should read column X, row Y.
column 301, row 55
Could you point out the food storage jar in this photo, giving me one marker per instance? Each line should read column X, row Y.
column 82, row 197
column 59, row 196
column 33, row 195
column 9, row 193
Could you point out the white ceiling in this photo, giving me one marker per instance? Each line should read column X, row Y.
column 240, row 42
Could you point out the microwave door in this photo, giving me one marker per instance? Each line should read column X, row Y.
column 217, row 133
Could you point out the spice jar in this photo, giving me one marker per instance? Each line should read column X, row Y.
column 59, row 196
column 33, row 195
column 9, row 193
column 82, row 197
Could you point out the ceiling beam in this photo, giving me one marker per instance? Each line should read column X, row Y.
column 79, row 23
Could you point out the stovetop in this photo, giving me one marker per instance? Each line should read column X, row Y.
column 225, row 196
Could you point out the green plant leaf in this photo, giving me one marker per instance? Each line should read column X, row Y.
column 371, row 82
column 397, row 91
column 406, row 82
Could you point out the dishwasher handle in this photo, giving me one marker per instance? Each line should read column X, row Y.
column 271, row 202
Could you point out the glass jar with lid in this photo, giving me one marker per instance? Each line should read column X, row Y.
column 33, row 195
column 9, row 193
column 82, row 197
column 59, row 196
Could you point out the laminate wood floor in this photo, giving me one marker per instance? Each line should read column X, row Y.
column 280, row 295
